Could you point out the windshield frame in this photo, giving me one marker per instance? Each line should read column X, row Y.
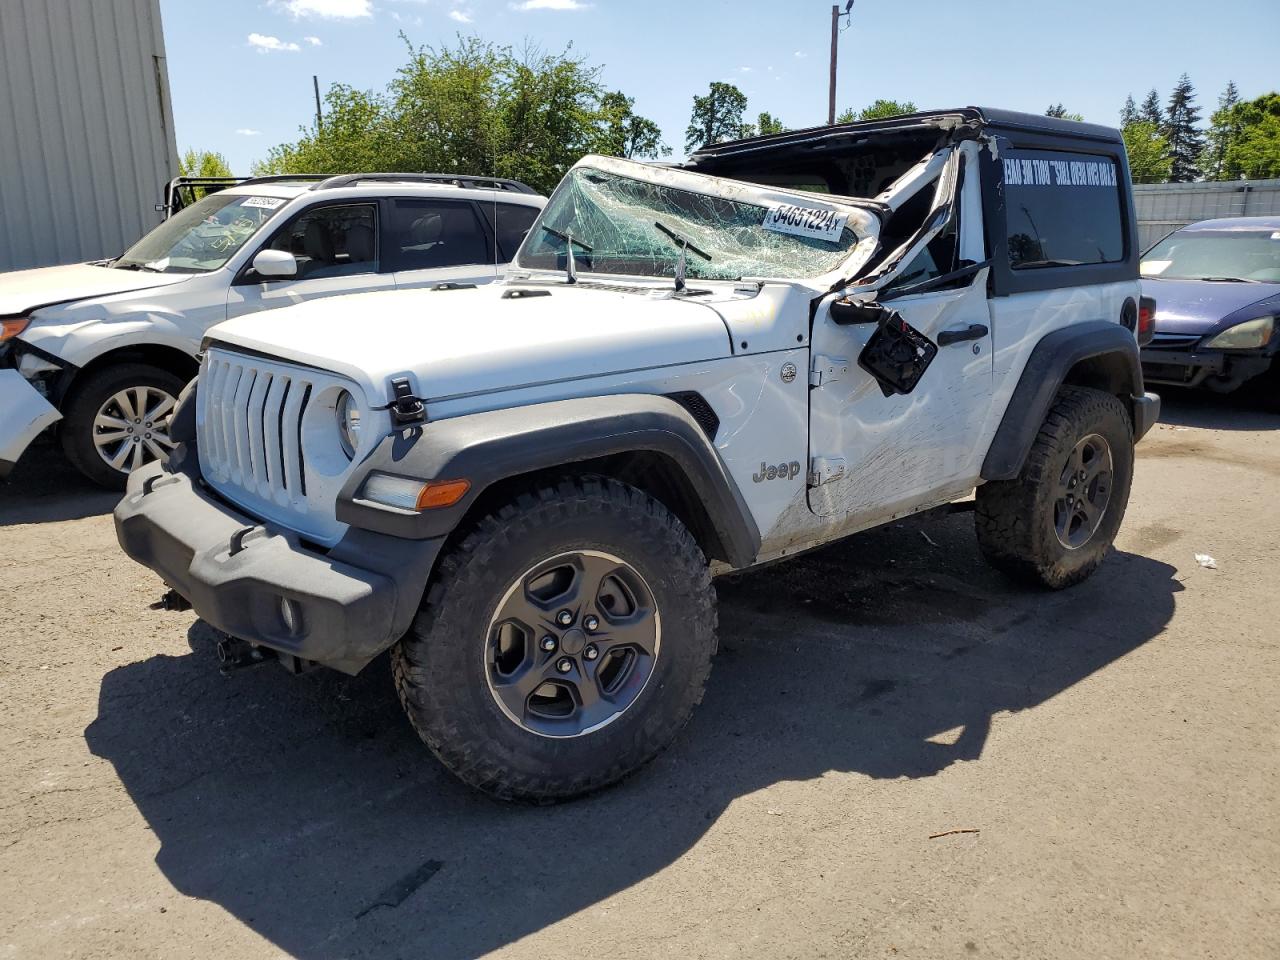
column 184, row 224
column 861, row 221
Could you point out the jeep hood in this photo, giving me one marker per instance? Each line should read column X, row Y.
column 23, row 291
column 1198, row 307
column 463, row 342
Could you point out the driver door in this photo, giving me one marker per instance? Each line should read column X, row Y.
column 337, row 249
column 876, row 455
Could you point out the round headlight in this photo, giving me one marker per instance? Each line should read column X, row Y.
column 348, row 423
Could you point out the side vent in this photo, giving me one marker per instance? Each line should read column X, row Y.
column 699, row 409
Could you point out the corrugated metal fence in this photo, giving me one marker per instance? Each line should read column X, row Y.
column 86, row 128
column 1164, row 207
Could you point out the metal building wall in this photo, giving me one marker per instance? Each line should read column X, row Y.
column 86, row 128
column 1164, row 207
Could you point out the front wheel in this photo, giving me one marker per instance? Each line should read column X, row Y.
column 1053, row 524
column 117, row 420
column 565, row 641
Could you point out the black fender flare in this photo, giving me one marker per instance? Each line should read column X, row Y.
column 1047, row 368
column 486, row 448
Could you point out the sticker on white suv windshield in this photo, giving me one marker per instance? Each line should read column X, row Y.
column 813, row 222
column 269, row 203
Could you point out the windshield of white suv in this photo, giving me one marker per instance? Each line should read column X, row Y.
column 621, row 225
column 202, row 236
column 1216, row 255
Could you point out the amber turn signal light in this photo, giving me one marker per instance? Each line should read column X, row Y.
column 442, row 493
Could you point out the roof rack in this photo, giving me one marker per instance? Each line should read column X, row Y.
column 286, row 178
column 457, row 180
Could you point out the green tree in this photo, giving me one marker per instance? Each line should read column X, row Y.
column 1060, row 112
column 716, row 117
column 203, row 163
column 767, row 124
column 1186, row 142
column 1129, row 112
column 1151, row 111
column 473, row 108
column 1148, row 151
column 1224, row 130
column 878, row 111
column 624, row 133
column 1255, row 152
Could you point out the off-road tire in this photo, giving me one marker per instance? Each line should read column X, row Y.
column 87, row 397
column 440, row 668
column 1015, row 518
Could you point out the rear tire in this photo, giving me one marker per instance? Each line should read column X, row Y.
column 96, row 429
column 1053, row 524
column 519, row 672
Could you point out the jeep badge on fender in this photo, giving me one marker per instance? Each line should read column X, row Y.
column 783, row 471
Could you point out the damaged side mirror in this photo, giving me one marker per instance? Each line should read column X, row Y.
column 847, row 312
column 896, row 354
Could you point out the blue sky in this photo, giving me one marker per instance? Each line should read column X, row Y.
column 241, row 70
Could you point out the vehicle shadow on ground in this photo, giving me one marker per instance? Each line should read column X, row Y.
column 1212, row 411
column 46, row 488
column 308, row 809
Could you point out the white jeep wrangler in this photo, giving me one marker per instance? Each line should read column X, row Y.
column 107, row 346
column 689, row 371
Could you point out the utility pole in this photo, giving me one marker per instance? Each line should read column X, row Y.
column 315, row 83
column 835, row 36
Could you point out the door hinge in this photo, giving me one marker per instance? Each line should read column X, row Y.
column 827, row 370
column 825, row 469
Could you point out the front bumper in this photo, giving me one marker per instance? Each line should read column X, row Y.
column 24, row 413
column 1190, row 368
column 340, row 607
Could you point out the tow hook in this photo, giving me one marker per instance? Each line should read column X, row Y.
column 172, row 600
column 236, row 654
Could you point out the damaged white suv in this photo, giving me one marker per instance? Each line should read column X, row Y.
column 689, row 371
column 106, row 347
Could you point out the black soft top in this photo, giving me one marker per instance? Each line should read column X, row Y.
column 984, row 117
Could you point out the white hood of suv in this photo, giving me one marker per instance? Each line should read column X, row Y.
column 461, row 342
column 25, row 290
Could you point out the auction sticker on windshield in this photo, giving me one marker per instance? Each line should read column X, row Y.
column 813, row 222
column 268, row 203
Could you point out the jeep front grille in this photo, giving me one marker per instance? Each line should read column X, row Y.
column 253, row 417
column 253, row 427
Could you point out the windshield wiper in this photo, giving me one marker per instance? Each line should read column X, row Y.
column 571, row 266
column 136, row 266
column 685, row 245
column 1225, row 279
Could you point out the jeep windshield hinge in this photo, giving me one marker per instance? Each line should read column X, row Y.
column 827, row 370
column 406, row 408
column 825, row 469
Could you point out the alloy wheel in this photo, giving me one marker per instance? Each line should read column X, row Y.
column 1083, row 492
column 572, row 644
column 132, row 427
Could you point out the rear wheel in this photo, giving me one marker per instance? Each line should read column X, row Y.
column 117, row 420
column 1053, row 524
column 565, row 642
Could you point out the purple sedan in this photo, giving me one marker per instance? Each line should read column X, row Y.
column 1217, row 290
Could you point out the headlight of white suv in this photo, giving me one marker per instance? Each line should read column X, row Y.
column 1244, row 336
column 348, row 413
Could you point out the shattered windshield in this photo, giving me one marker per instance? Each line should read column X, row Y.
column 201, row 237
column 621, row 225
